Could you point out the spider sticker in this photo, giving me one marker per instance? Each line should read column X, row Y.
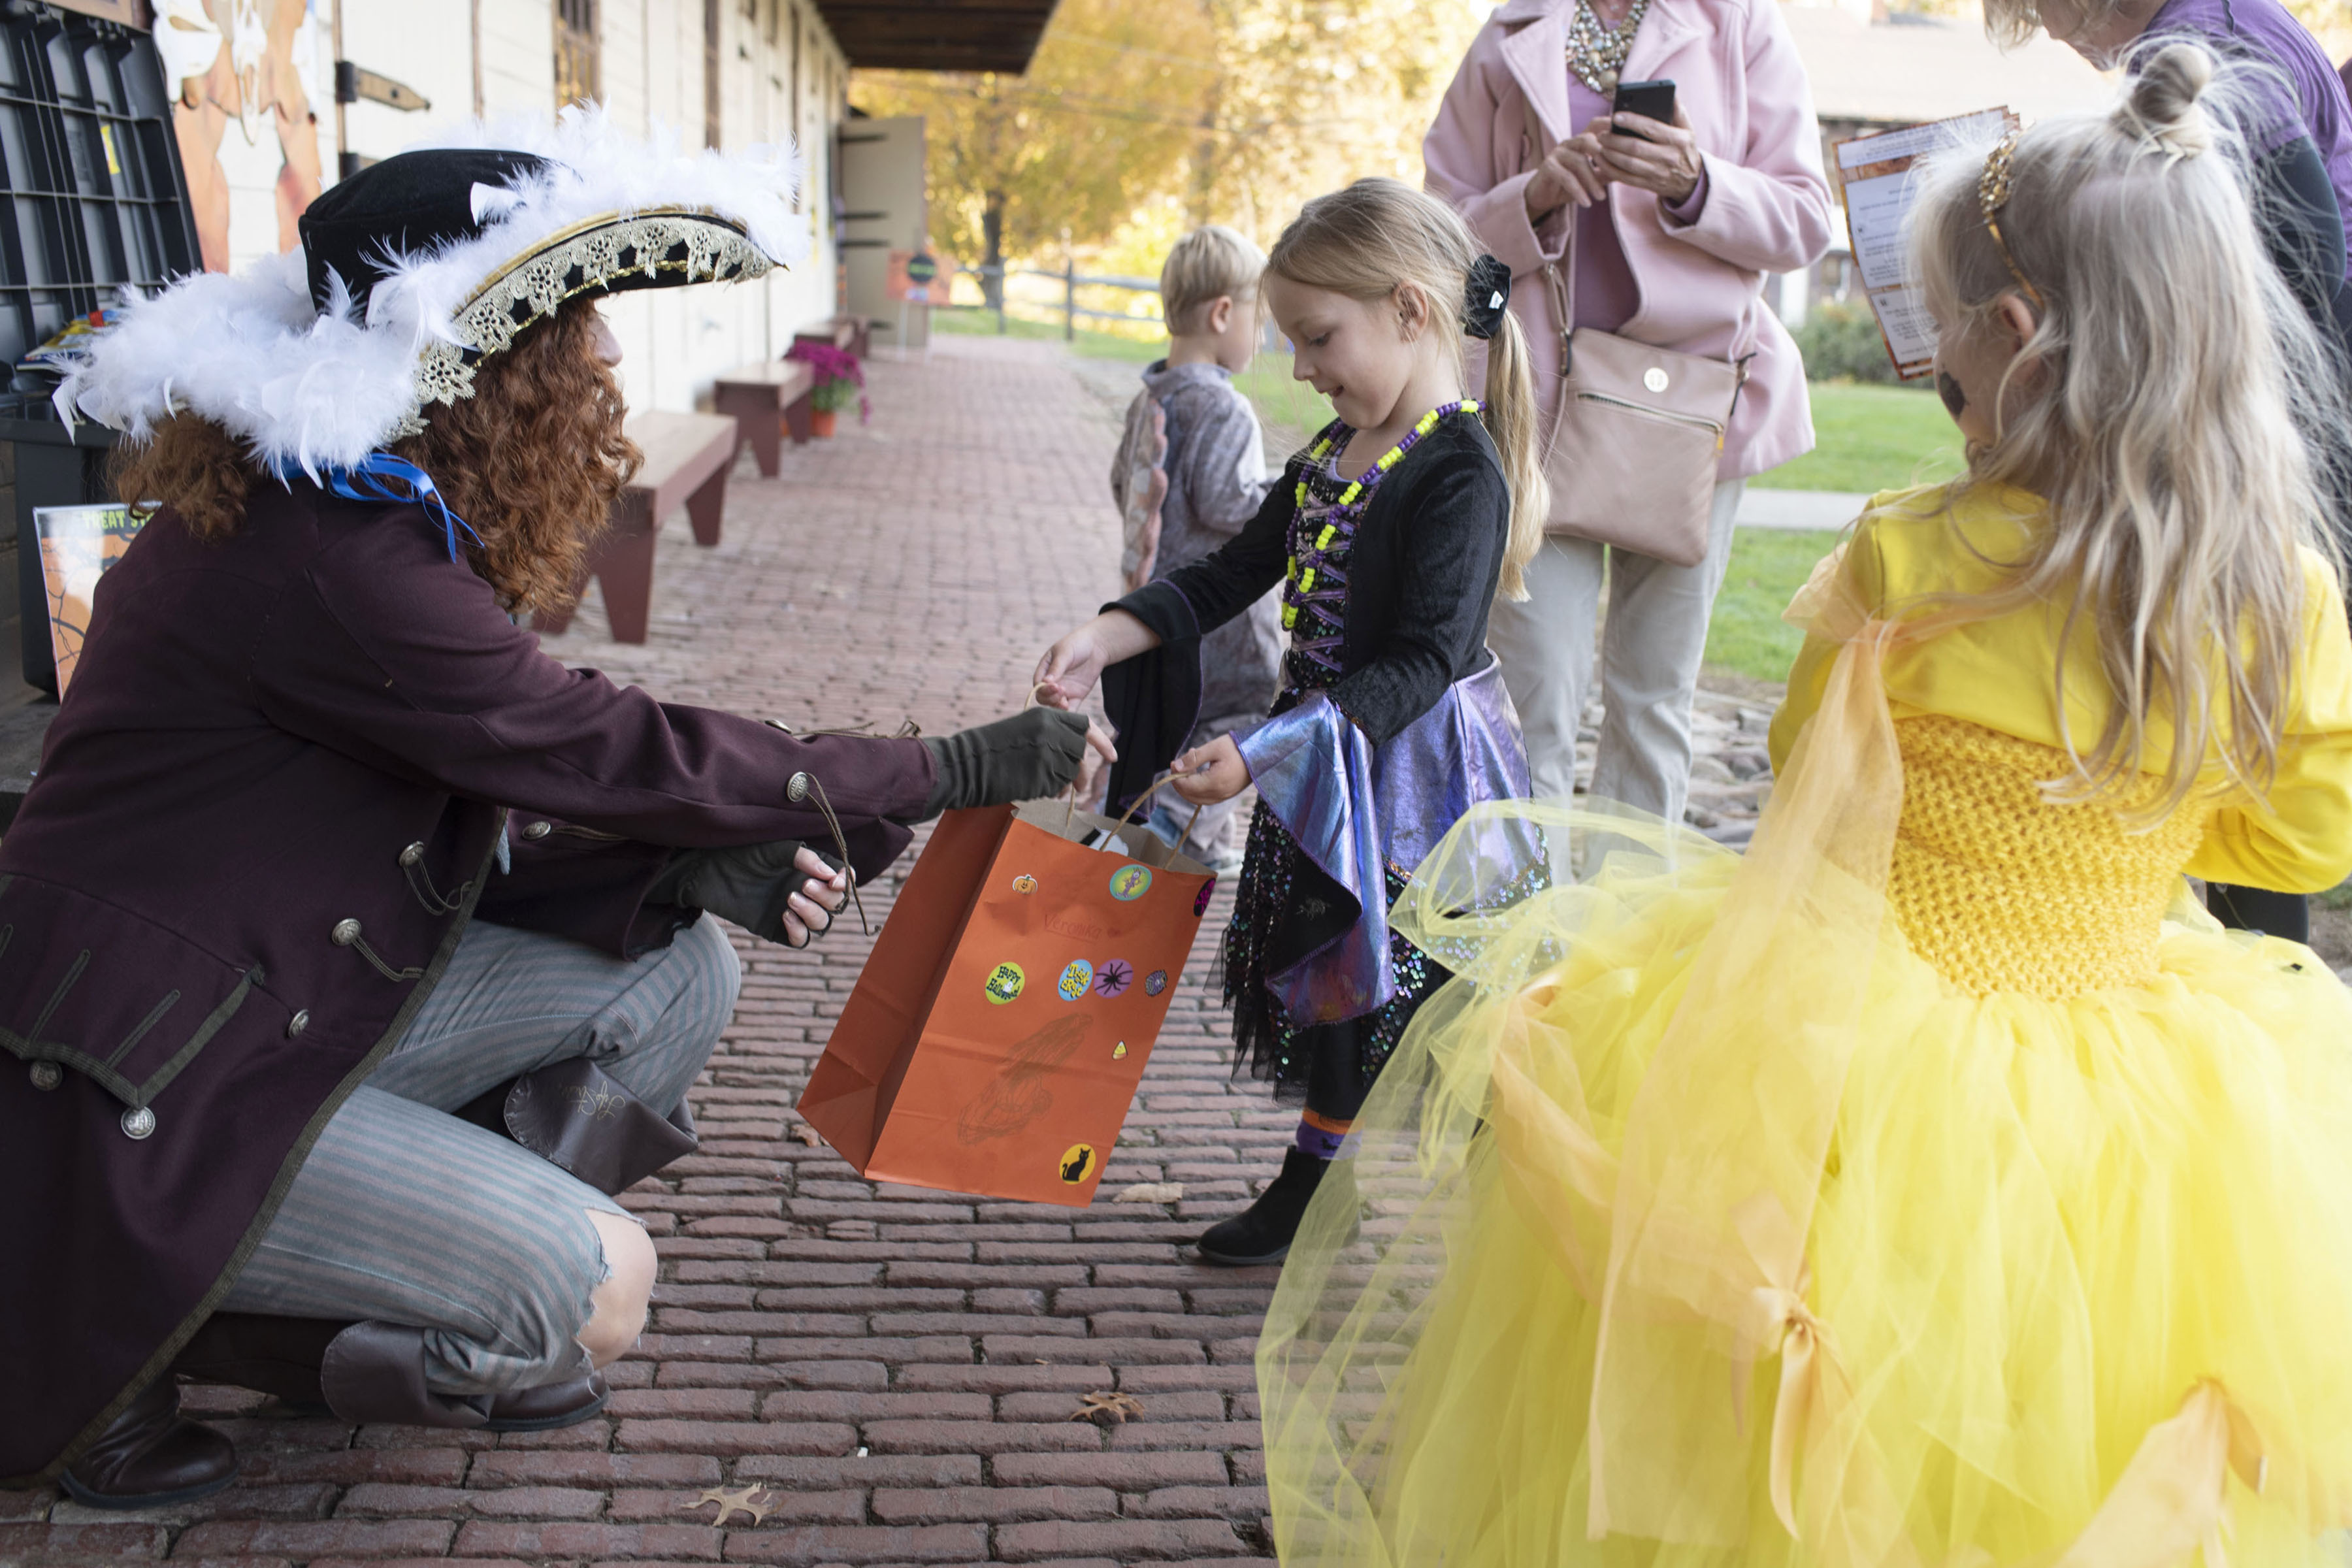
column 1004, row 982
column 1130, row 883
column 1076, row 978
column 1113, row 976
column 1155, row 982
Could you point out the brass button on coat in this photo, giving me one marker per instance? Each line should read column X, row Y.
column 411, row 855
column 47, row 1075
column 796, row 788
column 298, row 1023
column 538, row 830
column 138, row 1122
column 346, row 931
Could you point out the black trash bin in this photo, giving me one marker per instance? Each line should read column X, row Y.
column 95, row 202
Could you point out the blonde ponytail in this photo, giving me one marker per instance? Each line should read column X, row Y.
column 1510, row 400
column 1378, row 236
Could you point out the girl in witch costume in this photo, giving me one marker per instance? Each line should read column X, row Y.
column 353, row 951
column 1935, row 1184
column 1389, row 535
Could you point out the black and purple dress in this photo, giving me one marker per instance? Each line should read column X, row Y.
column 1391, row 722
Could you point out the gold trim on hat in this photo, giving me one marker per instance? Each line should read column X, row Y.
column 534, row 285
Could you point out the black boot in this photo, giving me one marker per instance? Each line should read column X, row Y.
column 370, row 1371
column 574, row 1116
column 273, row 1355
column 1262, row 1233
column 150, row 1458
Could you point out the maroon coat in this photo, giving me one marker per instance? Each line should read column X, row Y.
column 258, row 731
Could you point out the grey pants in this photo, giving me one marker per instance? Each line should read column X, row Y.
column 1651, row 649
column 405, row 1215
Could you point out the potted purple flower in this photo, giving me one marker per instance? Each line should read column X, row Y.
column 840, row 383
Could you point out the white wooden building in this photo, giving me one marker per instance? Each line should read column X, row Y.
column 261, row 130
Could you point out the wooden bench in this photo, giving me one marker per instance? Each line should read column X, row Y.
column 764, row 398
column 852, row 333
column 688, row 457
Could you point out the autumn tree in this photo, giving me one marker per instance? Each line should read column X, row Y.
column 1101, row 120
column 1311, row 94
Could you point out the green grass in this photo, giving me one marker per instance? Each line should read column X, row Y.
column 1768, row 566
column 1872, row 438
column 1089, row 343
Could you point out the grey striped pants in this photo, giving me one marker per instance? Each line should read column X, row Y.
column 405, row 1215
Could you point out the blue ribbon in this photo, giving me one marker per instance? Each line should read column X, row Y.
column 380, row 476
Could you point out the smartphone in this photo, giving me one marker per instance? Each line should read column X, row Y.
column 1654, row 100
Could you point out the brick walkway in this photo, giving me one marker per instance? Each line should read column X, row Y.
column 894, row 1368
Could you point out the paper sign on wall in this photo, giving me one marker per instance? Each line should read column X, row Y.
column 78, row 544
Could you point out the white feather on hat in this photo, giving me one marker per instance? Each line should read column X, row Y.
column 321, row 388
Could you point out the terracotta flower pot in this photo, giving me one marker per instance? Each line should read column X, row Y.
column 821, row 421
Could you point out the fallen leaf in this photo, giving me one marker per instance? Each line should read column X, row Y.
column 728, row 1503
column 1151, row 1192
column 1106, row 1409
column 808, row 1135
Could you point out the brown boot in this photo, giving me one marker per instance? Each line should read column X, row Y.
column 379, row 1375
column 549, row 1406
column 574, row 1116
column 150, row 1458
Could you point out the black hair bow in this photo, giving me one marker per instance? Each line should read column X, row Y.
column 1485, row 297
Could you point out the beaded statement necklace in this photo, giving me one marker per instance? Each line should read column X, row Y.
column 1316, row 582
column 1595, row 53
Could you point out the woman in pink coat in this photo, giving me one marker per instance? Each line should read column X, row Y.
column 1671, row 238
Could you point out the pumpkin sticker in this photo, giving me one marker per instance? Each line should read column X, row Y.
column 1130, row 883
column 1004, row 982
column 1113, row 977
column 1078, row 1163
column 1025, row 884
column 1076, row 978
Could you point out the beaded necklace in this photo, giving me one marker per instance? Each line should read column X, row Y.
column 1316, row 585
column 1595, row 53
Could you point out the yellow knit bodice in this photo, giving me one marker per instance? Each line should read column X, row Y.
column 2002, row 890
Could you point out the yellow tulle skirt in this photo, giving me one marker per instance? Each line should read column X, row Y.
column 1702, row 1223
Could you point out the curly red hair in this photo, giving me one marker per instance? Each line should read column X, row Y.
column 532, row 461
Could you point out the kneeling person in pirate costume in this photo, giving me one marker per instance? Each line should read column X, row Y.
column 353, row 952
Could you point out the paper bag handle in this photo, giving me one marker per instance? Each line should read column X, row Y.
column 1137, row 805
column 1071, row 815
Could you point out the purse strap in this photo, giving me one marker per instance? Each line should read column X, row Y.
column 1559, row 282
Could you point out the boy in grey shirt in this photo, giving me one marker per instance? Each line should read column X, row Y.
column 1191, row 470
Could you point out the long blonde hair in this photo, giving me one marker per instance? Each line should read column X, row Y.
column 2154, row 408
column 1379, row 235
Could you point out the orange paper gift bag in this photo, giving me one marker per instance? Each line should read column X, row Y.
column 996, row 1037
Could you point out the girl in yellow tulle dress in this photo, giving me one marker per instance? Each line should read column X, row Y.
column 1935, row 1184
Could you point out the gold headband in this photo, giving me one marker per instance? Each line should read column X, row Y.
column 1992, row 195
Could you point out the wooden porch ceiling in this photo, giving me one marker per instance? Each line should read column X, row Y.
column 938, row 35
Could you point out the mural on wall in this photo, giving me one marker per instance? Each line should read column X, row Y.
column 244, row 75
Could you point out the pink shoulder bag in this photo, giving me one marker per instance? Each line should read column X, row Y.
column 1636, row 434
